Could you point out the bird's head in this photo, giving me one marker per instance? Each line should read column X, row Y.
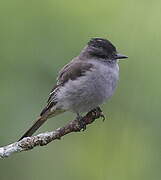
column 102, row 48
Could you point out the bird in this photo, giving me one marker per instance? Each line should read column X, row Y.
column 85, row 83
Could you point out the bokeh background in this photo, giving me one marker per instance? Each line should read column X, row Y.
column 36, row 39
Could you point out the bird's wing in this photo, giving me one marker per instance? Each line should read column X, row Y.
column 71, row 71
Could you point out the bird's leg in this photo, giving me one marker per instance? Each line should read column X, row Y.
column 98, row 112
column 81, row 122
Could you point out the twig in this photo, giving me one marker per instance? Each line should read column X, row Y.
column 29, row 143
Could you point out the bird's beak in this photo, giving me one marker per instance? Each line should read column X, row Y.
column 120, row 56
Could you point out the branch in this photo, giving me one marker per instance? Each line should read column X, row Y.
column 29, row 143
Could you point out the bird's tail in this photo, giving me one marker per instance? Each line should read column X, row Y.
column 40, row 121
column 34, row 127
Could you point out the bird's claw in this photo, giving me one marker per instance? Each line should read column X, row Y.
column 98, row 112
column 103, row 117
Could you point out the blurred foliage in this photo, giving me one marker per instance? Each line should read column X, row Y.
column 37, row 39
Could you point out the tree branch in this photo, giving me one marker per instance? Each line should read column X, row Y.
column 29, row 143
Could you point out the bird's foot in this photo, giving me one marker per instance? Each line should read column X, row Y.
column 99, row 113
column 81, row 122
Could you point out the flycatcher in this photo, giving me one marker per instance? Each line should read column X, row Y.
column 86, row 82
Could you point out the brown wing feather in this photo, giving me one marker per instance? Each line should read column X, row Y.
column 72, row 71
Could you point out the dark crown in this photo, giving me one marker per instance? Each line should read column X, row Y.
column 102, row 43
column 107, row 49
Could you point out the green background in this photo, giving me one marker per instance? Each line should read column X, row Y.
column 37, row 37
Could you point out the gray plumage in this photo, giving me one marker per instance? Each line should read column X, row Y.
column 89, row 90
column 86, row 82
